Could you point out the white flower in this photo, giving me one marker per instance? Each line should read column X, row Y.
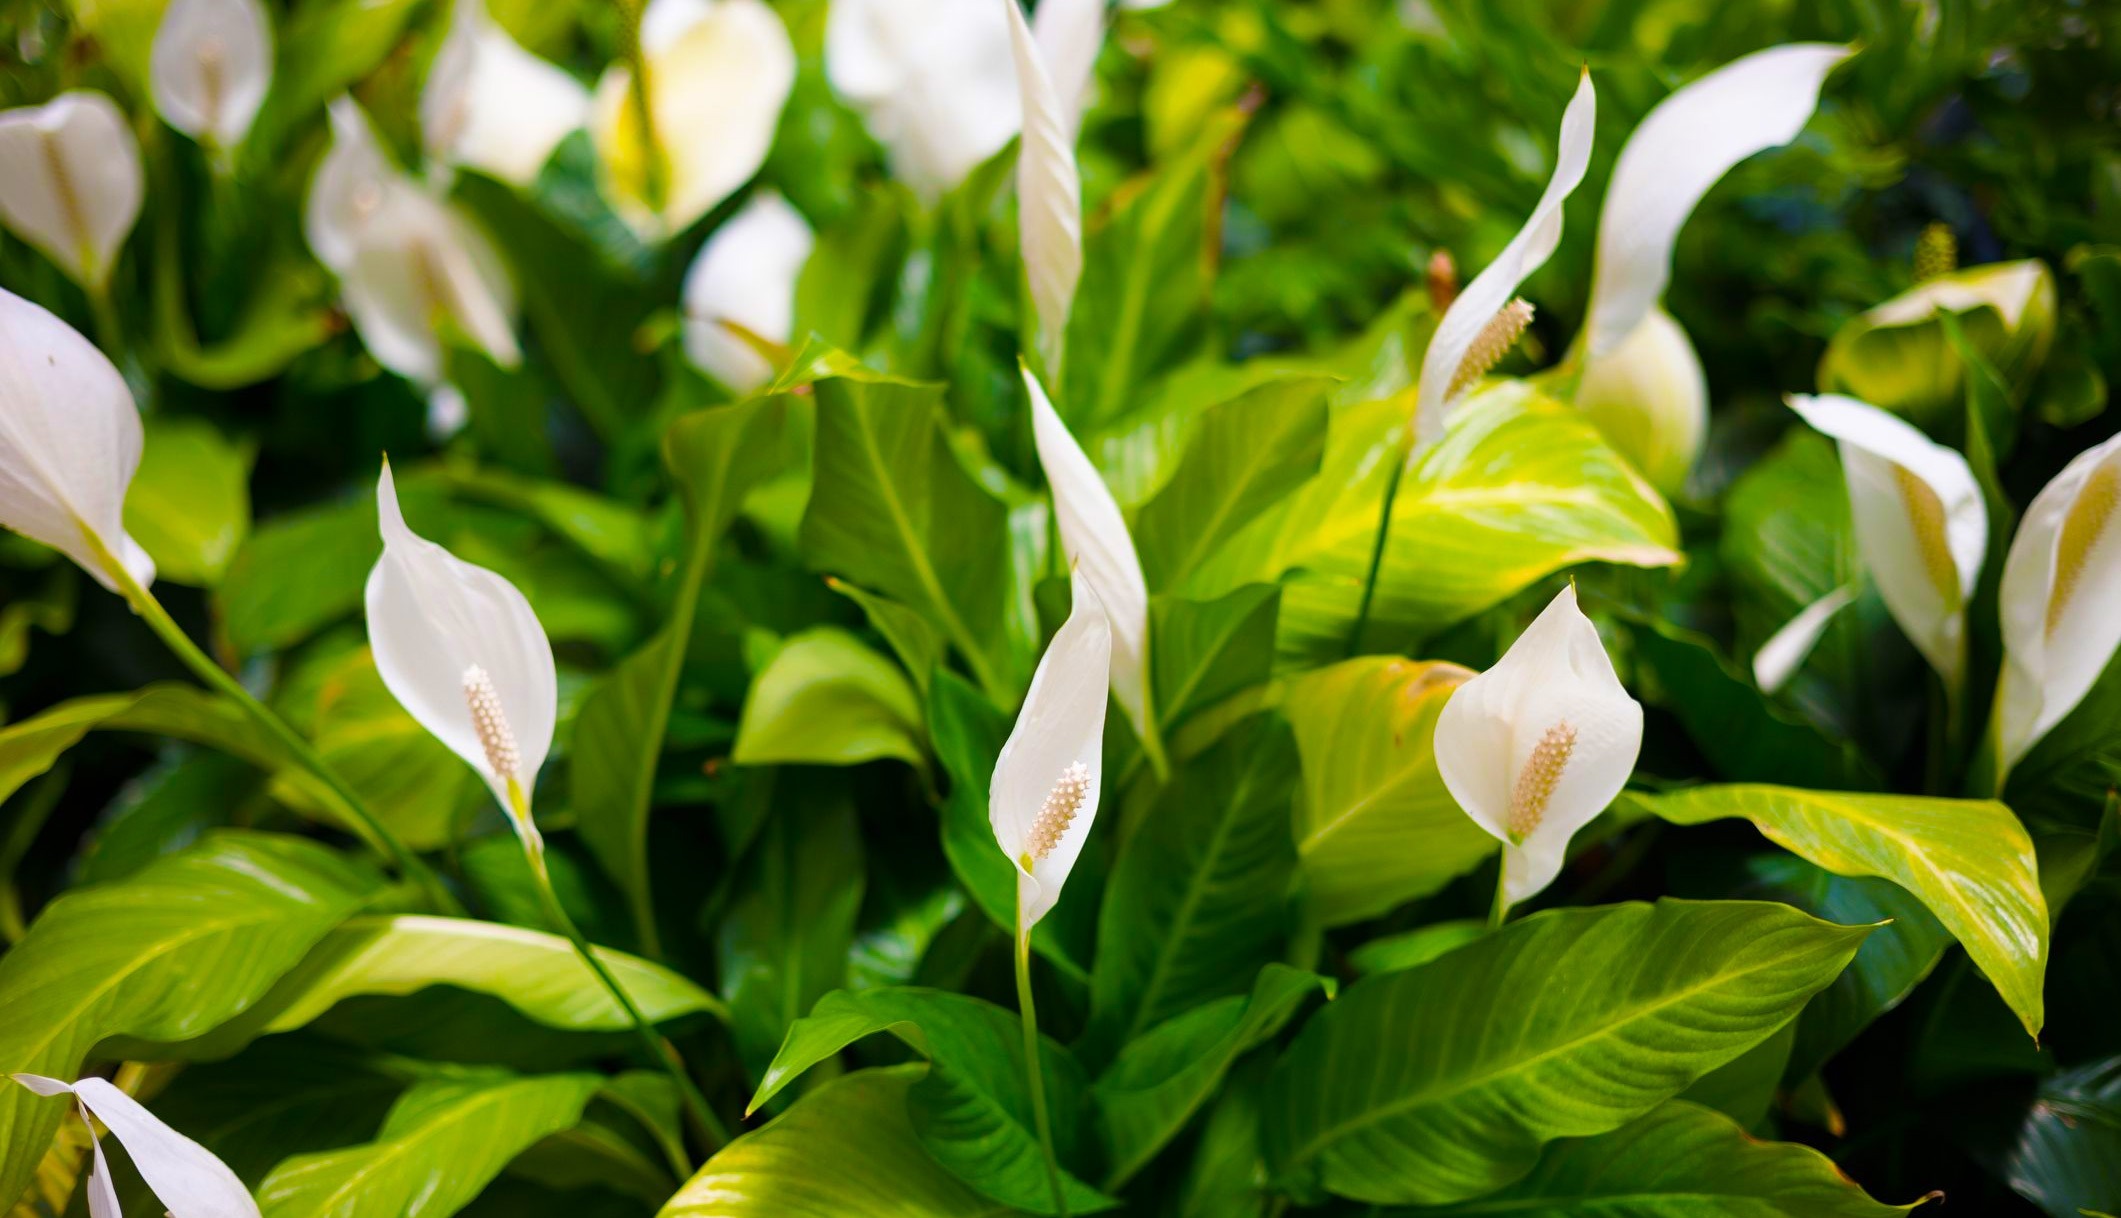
column 494, row 106
column 746, row 273
column 70, row 181
column 1784, row 653
column 461, row 651
column 719, row 72
column 932, row 80
column 1046, row 782
column 1484, row 302
column 1921, row 527
column 1642, row 382
column 185, row 1176
column 1069, row 33
column 2061, row 599
column 1094, row 535
column 1538, row 745
column 70, row 442
column 1049, row 192
column 211, row 67
column 348, row 189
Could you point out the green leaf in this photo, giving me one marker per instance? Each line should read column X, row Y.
column 189, row 503
column 1159, row 1080
column 973, row 1111
column 1441, row 1083
column 846, row 1150
column 409, row 779
column 911, row 638
column 826, row 698
column 1245, row 455
column 1681, row 1161
column 324, row 49
column 536, row 973
column 783, row 944
column 298, row 573
column 1745, row 1087
column 1199, row 898
column 893, row 511
column 1391, row 953
column 1374, row 825
column 2067, row 1159
column 442, row 1143
column 1969, row 861
column 1207, row 650
column 180, row 946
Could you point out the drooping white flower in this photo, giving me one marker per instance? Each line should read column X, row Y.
column 1642, row 382
column 1538, row 745
column 185, row 1176
column 70, row 442
column 70, row 181
column 1094, row 535
column 746, row 274
column 1921, row 526
column 1044, row 794
column 460, row 649
column 1471, row 319
column 2061, row 599
column 211, row 67
column 1049, row 192
column 719, row 72
column 494, row 106
column 932, row 80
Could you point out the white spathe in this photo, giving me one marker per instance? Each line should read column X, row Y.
column 2061, row 599
column 70, row 440
column 1650, row 399
column 1785, row 651
column 932, row 80
column 70, row 181
column 1094, row 535
column 719, row 72
column 746, row 274
column 1536, row 747
column 432, row 620
column 211, row 67
column 1058, row 737
column 184, row 1176
column 1049, row 192
column 491, row 105
column 348, row 188
column 1490, row 290
column 1921, row 526
column 1070, row 33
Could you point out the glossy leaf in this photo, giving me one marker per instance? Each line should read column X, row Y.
column 1208, row 650
column 2067, row 1159
column 826, row 698
column 189, row 505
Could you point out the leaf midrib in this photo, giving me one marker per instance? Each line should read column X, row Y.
column 396, row 1148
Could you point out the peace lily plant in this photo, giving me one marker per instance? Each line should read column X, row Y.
column 491, row 105
column 70, row 184
column 212, row 66
column 185, row 1177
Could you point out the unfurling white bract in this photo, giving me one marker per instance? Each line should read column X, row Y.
column 460, row 649
column 1044, row 794
column 70, row 181
column 1049, row 192
column 70, row 441
column 185, row 1176
column 1476, row 308
column 719, row 72
column 492, row 105
column 1921, row 526
column 2061, row 600
column 1784, row 653
column 211, row 68
column 745, row 274
column 1094, row 536
column 932, row 80
column 1538, row 745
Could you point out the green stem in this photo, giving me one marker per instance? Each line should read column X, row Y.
column 1400, row 453
column 1499, row 912
column 363, row 822
column 1034, row 1069
column 707, row 1126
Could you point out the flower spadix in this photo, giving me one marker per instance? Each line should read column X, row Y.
column 70, row 181
column 461, row 651
column 1049, row 191
column 1478, row 325
column 70, row 441
column 1921, row 526
column 719, row 72
column 1538, row 745
column 185, row 1176
column 746, row 275
column 492, row 105
column 211, row 67
column 932, row 80
column 1094, row 535
column 1044, row 794
column 2061, row 599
